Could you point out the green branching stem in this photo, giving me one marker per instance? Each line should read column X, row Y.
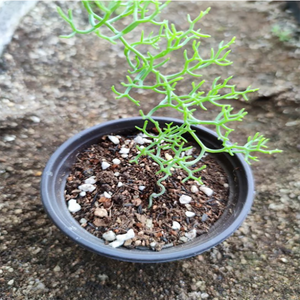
column 160, row 43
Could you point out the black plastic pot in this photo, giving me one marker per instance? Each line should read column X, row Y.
column 58, row 168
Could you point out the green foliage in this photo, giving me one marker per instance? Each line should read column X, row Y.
column 142, row 63
column 284, row 34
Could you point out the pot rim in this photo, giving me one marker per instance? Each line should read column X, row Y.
column 69, row 226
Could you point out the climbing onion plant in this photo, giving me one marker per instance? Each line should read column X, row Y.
column 104, row 15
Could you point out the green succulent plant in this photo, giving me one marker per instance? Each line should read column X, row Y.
column 150, row 55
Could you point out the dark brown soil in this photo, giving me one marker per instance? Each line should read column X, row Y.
column 121, row 199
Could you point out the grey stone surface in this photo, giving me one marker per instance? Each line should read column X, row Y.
column 11, row 12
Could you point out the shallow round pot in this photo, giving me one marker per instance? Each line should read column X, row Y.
column 58, row 168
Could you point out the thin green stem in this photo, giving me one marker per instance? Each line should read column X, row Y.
column 149, row 57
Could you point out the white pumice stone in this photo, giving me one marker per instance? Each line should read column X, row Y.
column 114, row 139
column 194, row 189
column 191, row 234
column 124, row 155
column 226, row 185
column 82, row 194
column 124, row 237
column 176, row 225
column 107, row 195
column 73, row 206
column 141, row 187
column 124, row 150
column 116, row 243
column 152, row 245
column 190, row 214
column 82, row 221
column 183, row 239
column 188, row 206
column 147, row 141
column 90, row 180
column 116, row 161
column 109, row 236
column 86, row 187
column 189, row 151
column 119, row 184
column 116, row 174
column 184, row 199
column 139, row 139
column 105, row 165
column 127, row 142
column 100, row 212
column 168, row 156
column 206, row 190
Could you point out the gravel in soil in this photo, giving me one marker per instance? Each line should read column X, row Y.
column 49, row 91
column 116, row 196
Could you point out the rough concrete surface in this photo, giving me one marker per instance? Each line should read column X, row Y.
column 52, row 88
column 11, row 12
